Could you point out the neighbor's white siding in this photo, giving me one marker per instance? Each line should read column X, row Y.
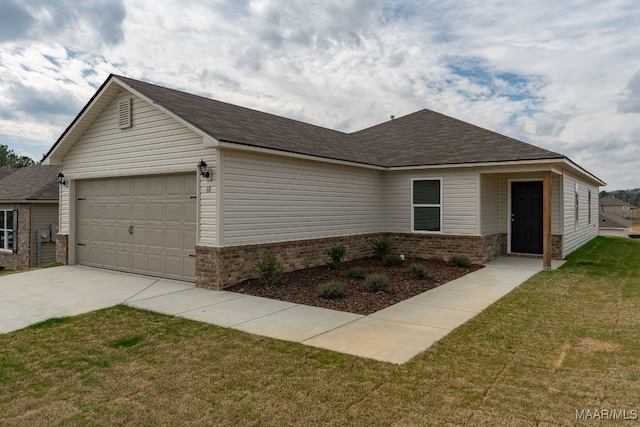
column 155, row 144
column 578, row 233
column 460, row 188
column 63, row 210
column 271, row 199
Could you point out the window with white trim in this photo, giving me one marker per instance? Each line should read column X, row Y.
column 426, row 205
column 6, row 230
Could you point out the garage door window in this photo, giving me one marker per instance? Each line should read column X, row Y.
column 6, row 230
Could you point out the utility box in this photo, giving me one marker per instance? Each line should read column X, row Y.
column 44, row 235
column 54, row 231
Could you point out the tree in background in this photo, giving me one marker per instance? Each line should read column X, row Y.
column 9, row 159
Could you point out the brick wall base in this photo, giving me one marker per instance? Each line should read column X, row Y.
column 62, row 249
column 218, row 268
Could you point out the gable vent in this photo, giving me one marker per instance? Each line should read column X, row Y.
column 124, row 113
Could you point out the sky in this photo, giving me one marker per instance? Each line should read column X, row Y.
column 562, row 75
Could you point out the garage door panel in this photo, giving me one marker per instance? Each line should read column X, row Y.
column 124, row 211
column 156, row 212
column 174, row 212
column 139, row 211
column 124, row 187
column 174, row 265
column 162, row 214
column 189, row 239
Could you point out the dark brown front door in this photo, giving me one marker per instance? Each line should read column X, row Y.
column 526, row 217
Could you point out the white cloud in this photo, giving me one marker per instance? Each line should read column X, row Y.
column 562, row 75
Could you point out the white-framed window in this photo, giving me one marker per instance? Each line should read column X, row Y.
column 6, row 230
column 426, row 205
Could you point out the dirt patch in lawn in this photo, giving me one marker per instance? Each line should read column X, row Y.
column 301, row 286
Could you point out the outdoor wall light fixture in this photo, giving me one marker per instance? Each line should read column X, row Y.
column 204, row 172
column 62, row 180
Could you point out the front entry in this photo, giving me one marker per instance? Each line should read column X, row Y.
column 526, row 217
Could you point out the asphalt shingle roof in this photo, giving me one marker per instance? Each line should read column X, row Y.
column 418, row 139
column 608, row 220
column 35, row 182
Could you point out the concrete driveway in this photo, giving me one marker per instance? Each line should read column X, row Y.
column 395, row 334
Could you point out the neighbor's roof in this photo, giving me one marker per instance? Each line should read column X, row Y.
column 608, row 220
column 424, row 138
column 612, row 201
column 35, row 182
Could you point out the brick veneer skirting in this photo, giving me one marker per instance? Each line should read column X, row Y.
column 217, row 268
column 62, row 249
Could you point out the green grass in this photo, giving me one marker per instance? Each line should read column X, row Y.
column 566, row 340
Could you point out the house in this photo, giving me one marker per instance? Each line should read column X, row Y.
column 615, row 206
column 28, row 216
column 613, row 225
column 165, row 183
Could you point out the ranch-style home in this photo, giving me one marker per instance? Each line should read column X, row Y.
column 165, row 183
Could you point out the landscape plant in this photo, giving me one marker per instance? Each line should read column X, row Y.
column 356, row 273
column 382, row 247
column 418, row 271
column 392, row 260
column 378, row 283
column 336, row 256
column 271, row 270
column 331, row 290
column 460, row 261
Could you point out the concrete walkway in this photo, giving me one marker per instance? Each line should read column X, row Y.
column 395, row 334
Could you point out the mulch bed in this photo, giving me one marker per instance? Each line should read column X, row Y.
column 301, row 286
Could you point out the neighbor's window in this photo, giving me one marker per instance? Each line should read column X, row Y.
column 427, row 204
column 6, row 230
column 577, row 204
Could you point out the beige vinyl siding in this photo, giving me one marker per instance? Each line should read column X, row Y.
column 208, row 201
column 155, row 144
column 491, row 210
column 42, row 216
column 459, row 199
column 270, row 199
column 576, row 235
column 556, row 198
column 63, row 211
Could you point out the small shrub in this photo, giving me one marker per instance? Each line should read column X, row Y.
column 270, row 270
column 331, row 290
column 392, row 260
column 460, row 261
column 378, row 283
column 381, row 247
column 418, row 271
column 336, row 254
column 356, row 273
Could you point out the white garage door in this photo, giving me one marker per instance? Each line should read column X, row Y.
column 141, row 225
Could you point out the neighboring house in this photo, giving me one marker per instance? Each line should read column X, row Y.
column 618, row 207
column 135, row 199
column 28, row 204
column 613, row 225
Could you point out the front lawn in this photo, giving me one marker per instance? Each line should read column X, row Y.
column 565, row 344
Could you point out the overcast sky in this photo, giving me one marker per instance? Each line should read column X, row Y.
column 563, row 75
